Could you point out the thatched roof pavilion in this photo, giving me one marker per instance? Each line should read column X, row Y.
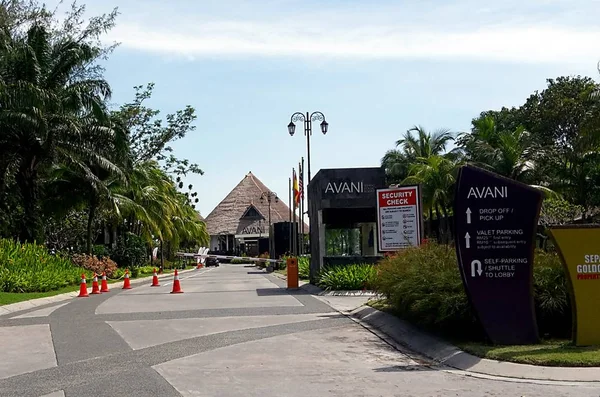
column 242, row 217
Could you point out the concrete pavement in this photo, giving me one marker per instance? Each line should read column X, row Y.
column 233, row 332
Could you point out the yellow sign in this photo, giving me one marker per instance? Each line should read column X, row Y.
column 579, row 248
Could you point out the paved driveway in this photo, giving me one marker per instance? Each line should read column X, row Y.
column 233, row 332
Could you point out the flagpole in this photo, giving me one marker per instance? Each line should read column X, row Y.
column 294, row 226
column 290, row 207
column 302, row 206
column 300, row 183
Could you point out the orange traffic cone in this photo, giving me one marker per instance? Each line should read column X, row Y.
column 104, row 285
column 200, row 265
column 126, row 283
column 155, row 279
column 176, row 286
column 83, row 288
column 95, row 288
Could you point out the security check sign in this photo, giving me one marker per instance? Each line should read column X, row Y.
column 399, row 218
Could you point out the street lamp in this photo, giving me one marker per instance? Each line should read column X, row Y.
column 270, row 197
column 308, row 120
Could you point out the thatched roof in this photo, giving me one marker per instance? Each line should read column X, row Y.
column 244, row 199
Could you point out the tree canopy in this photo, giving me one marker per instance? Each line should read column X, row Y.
column 551, row 142
column 67, row 155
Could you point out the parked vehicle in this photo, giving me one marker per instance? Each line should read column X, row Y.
column 211, row 262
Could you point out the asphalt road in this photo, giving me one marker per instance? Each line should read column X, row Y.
column 233, row 332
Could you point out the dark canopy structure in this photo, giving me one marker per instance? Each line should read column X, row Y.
column 344, row 199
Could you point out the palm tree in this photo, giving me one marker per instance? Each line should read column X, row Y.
column 437, row 176
column 46, row 113
column 504, row 152
column 423, row 144
column 396, row 165
column 155, row 209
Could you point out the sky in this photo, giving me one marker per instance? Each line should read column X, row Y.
column 374, row 68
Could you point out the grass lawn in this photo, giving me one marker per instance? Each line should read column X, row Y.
column 556, row 353
column 7, row 298
column 560, row 353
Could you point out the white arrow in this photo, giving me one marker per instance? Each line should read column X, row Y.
column 468, row 215
column 477, row 264
column 468, row 240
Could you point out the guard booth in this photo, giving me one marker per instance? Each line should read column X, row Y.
column 343, row 215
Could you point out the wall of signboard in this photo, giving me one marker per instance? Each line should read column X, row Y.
column 399, row 218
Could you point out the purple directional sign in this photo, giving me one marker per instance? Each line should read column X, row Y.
column 495, row 221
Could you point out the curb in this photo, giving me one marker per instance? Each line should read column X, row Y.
column 33, row 303
column 445, row 354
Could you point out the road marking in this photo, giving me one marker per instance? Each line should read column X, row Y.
column 184, row 278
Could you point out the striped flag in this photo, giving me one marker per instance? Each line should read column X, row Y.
column 296, row 188
column 301, row 182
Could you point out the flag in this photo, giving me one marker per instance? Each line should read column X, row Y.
column 296, row 188
column 301, row 181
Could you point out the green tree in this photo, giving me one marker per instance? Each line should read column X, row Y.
column 506, row 152
column 564, row 122
column 437, row 176
column 415, row 143
column 44, row 109
column 150, row 137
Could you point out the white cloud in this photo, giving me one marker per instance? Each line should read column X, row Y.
column 538, row 31
column 537, row 44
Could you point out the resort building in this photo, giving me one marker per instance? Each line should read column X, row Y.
column 239, row 224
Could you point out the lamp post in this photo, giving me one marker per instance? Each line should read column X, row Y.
column 270, row 197
column 308, row 120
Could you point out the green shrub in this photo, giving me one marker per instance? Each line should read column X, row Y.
column 100, row 251
column 167, row 264
column 130, row 251
column 424, row 286
column 31, row 268
column 95, row 265
column 303, row 267
column 347, row 277
column 146, row 270
column 118, row 273
column 551, row 293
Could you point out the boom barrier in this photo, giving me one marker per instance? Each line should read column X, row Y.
column 243, row 258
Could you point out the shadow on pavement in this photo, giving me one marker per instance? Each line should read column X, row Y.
column 404, row 368
column 279, row 291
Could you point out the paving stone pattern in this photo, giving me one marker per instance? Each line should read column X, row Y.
column 233, row 332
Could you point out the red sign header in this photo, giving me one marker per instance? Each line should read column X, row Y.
column 398, row 197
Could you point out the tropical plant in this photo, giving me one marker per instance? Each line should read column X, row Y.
column 26, row 267
column 505, row 152
column 437, row 176
column 95, row 265
column 130, row 252
column 423, row 285
column 46, row 113
column 416, row 143
column 347, row 277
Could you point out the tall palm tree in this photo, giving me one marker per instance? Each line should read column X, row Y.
column 155, row 209
column 44, row 111
column 415, row 143
column 437, row 176
column 425, row 143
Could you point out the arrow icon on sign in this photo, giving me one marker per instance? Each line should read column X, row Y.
column 468, row 240
column 468, row 215
column 477, row 264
